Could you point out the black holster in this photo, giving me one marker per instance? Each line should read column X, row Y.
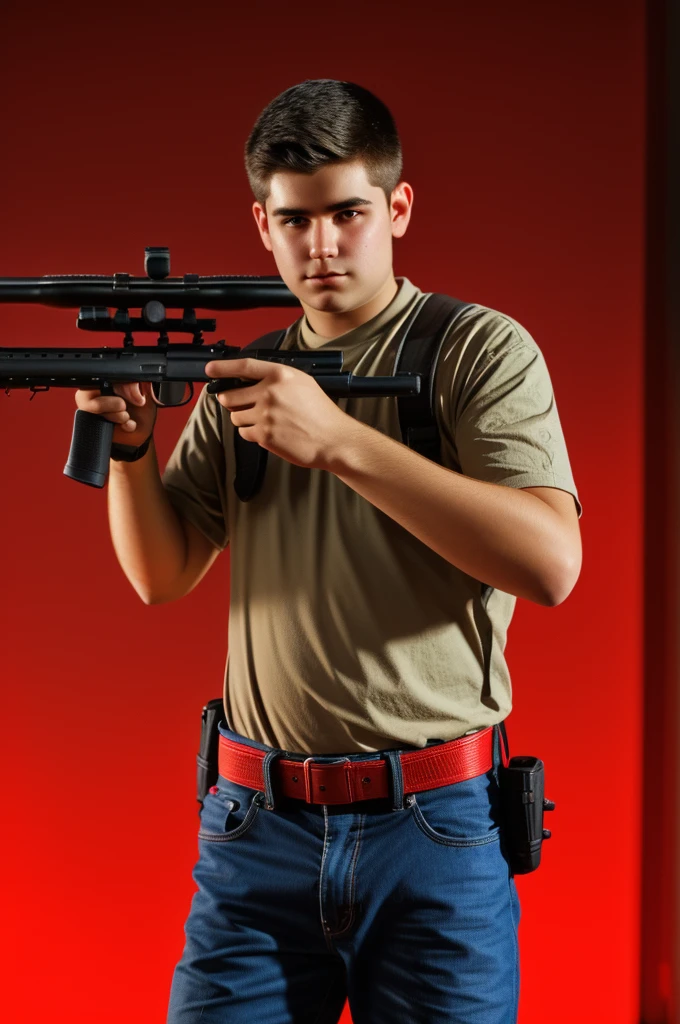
column 522, row 807
column 206, row 759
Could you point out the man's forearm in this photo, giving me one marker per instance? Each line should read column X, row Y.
column 147, row 533
column 499, row 535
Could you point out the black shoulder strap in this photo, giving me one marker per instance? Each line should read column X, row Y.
column 251, row 458
column 418, row 349
column 418, row 346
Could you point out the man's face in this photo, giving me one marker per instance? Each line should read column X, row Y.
column 331, row 234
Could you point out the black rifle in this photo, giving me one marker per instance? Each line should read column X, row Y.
column 169, row 367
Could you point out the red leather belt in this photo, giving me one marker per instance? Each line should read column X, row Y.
column 344, row 781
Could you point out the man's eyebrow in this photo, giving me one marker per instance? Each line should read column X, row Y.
column 290, row 211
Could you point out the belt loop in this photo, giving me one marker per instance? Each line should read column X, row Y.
column 269, row 759
column 393, row 759
column 308, row 778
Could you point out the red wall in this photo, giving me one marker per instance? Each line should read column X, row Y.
column 523, row 129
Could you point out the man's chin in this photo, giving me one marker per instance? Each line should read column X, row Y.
column 328, row 302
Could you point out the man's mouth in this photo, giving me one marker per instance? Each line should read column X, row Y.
column 318, row 277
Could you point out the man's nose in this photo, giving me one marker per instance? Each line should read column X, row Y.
column 324, row 241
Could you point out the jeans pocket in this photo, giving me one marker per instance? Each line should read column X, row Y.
column 462, row 814
column 228, row 813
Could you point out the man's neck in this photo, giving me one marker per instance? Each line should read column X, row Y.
column 332, row 325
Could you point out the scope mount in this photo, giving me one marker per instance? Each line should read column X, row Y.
column 153, row 318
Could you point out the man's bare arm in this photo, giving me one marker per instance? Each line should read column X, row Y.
column 523, row 543
column 515, row 541
column 162, row 554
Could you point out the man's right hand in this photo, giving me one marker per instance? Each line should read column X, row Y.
column 133, row 408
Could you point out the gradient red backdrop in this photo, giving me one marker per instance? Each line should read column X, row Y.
column 523, row 131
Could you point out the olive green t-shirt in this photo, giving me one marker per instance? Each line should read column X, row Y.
column 346, row 633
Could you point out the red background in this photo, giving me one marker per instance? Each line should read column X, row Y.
column 523, row 131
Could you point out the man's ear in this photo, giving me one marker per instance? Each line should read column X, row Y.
column 260, row 215
column 401, row 204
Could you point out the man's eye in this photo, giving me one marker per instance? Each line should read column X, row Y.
column 349, row 214
column 294, row 221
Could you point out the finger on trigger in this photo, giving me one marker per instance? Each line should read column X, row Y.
column 132, row 393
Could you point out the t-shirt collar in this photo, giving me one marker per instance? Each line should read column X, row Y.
column 309, row 339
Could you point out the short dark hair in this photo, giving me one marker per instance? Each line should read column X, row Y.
column 323, row 121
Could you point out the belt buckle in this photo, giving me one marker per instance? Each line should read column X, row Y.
column 308, row 772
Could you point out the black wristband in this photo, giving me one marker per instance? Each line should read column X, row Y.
column 128, row 452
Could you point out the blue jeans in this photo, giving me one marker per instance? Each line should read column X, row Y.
column 405, row 906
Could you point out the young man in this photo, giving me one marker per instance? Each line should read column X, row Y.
column 352, row 844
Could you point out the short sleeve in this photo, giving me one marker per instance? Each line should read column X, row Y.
column 195, row 475
column 498, row 407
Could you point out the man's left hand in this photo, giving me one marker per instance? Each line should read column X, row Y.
column 285, row 411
